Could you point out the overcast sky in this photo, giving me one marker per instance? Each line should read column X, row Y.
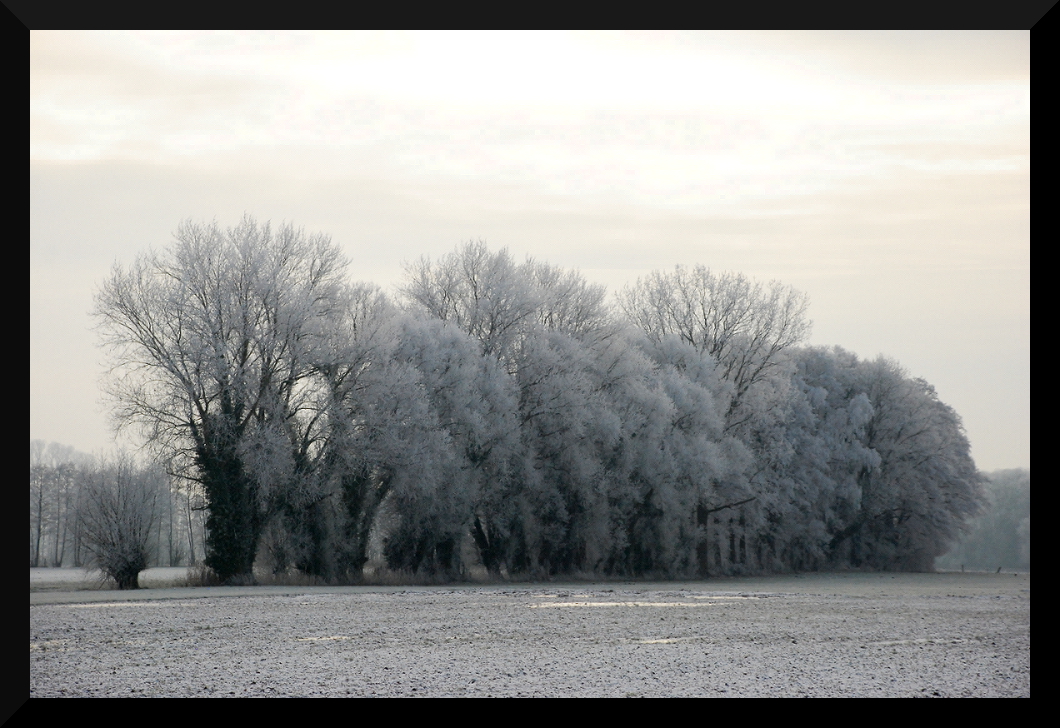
column 886, row 174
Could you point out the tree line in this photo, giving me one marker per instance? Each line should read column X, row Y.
column 999, row 538
column 508, row 414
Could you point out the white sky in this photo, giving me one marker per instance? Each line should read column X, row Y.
column 887, row 174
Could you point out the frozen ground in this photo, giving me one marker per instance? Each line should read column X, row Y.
column 851, row 635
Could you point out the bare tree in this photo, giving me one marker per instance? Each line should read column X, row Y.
column 39, row 483
column 53, row 502
column 118, row 512
column 568, row 303
column 741, row 323
column 485, row 294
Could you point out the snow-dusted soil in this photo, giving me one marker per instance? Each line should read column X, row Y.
column 851, row 635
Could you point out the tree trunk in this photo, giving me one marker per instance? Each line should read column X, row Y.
column 233, row 522
column 703, row 547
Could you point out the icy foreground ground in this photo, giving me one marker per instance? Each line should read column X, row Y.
column 830, row 635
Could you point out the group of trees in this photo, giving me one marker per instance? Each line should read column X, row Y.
column 114, row 514
column 504, row 413
column 53, row 504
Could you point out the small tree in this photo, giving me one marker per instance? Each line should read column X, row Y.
column 119, row 509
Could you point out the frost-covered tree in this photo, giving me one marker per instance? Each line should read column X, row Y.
column 472, row 402
column 212, row 342
column 322, row 527
column 569, row 304
column 559, row 414
column 744, row 325
column 701, row 468
column 532, row 320
column 916, row 501
column 806, row 475
column 119, row 510
column 483, row 293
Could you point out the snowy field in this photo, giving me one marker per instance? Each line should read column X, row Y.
column 852, row 635
column 68, row 579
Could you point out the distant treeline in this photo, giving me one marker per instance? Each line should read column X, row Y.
column 66, row 489
column 1001, row 537
column 508, row 414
